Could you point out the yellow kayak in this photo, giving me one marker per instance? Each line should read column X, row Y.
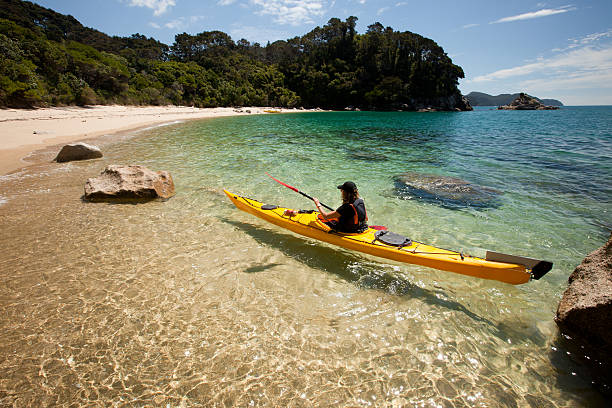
column 386, row 244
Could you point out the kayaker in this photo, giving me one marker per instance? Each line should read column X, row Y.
column 351, row 216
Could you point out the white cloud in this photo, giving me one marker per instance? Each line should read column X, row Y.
column 591, row 38
column 385, row 9
column 508, row 73
column 579, row 76
column 154, row 25
column 260, row 35
column 294, row 12
column 535, row 14
column 159, row 7
column 470, row 26
column 572, row 81
column 182, row 23
column 587, row 62
column 176, row 24
column 225, row 2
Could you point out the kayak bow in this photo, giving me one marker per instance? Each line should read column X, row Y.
column 507, row 268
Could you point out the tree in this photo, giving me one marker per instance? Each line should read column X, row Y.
column 50, row 58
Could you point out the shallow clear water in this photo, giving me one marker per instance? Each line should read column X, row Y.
column 191, row 302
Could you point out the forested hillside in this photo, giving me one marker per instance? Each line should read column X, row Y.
column 52, row 59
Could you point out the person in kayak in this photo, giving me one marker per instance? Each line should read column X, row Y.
column 351, row 216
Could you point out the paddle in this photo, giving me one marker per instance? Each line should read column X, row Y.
column 298, row 191
column 538, row 267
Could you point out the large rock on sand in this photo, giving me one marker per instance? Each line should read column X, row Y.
column 78, row 151
column 129, row 182
column 585, row 310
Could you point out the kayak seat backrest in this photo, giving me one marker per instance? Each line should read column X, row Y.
column 391, row 238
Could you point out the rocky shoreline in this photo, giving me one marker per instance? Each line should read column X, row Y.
column 584, row 315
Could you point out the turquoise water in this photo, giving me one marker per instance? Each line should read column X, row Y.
column 192, row 302
column 553, row 168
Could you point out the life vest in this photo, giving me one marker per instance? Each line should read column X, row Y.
column 359, row 219
column 356, row 218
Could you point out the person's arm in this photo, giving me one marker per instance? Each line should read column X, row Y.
column 325, row 214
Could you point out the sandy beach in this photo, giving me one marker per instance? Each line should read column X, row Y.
column 25, row 131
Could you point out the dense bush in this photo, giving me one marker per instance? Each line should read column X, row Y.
column 51, row 59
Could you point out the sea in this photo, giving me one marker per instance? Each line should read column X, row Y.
column 189, row 302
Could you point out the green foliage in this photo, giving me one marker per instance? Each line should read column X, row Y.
column 381, row 69
column 19, row 83
column 51, row 59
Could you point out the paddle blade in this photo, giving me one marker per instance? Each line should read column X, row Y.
column 538, row 267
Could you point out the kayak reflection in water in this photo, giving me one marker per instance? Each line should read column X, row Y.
column 351, row 216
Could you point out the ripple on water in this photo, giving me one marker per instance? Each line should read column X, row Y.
column 190, row 302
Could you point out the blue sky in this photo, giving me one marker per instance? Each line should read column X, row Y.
column 550, row 49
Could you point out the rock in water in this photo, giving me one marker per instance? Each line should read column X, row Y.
column 526, row 102
column 449, row 192
column 369, row 157
column 585, row 310
column 78, row 151
column 129, row 182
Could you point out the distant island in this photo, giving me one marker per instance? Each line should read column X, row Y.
column 50, row 59
column 483, row 99
column 526, row 102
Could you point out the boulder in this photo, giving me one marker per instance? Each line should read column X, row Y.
column 129, row 182
column 78, row 151
column 526, row 102
column 449, row 192
column 585, row 310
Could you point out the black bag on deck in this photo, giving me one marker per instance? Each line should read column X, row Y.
column 391, row 238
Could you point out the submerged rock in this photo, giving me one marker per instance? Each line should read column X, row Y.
column 129, row 182
column 585, row 310
column 450, row 192
column 370, row 157
column 526, row 102
column 78, row 151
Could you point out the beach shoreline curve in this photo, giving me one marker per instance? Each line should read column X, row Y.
column 25, row 131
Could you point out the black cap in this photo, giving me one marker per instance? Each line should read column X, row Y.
column 348, row 186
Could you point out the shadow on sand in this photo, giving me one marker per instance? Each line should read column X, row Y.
column 379, row 276
column 352, row 268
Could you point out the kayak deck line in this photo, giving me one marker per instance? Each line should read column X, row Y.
column 405, row 249
column 505, row 268
column 347, row 235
